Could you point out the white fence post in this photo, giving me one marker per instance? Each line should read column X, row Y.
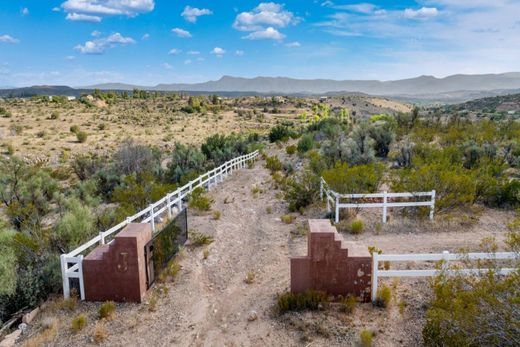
column 179, row 200
column 152, row 218
column 169, row 205
column 432, row 207
column 445, row 264
column 101, row 238
column 80, row 274
column 375, row 268
column 336, row 219
column 64, row 277
column 385, row 200
column 321, row 189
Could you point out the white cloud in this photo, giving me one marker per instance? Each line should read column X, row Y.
column 24, row 11
column 192, row 13
column 187, row 62
column 70, row 58
column 217, row 51
column 193, row 52
column 174, row 51
column 99, row 46
column 8, row 39
column 95, row 33
column 56, row 9
column 422, row 13
column 265, row 15
column 294, row 44
column 267, row 34
column 97, row 8
column 181, row 32
column 364, row 7
column 239, row 53
column 145, row 37
column 167, row 66
column 77, row 17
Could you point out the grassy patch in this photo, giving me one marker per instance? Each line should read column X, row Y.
column 199, row 239
column 310, row 300
column 107, row 310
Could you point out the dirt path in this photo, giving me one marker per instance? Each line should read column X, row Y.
column 209, row 302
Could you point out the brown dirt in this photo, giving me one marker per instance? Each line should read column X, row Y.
column 208, row 303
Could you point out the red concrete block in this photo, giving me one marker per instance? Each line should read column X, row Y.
column 332, row 265
column 117, row 271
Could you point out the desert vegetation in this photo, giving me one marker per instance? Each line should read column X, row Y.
column 112, row 154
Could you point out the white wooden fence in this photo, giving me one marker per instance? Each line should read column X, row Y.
column 446, row 257
column 334, row 198
column 71, row 263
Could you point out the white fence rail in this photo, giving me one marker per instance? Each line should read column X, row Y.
column 71, row 263
column 334, row 198
column 446, row 257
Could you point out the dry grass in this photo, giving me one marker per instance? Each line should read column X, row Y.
column 100, row 333
column 47, row 333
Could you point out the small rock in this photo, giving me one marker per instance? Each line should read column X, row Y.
column 28, row 317
column 252, row 316
column 23, row 327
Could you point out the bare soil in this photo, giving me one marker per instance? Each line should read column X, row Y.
column 209, row 301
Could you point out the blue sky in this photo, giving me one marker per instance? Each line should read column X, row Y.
column 81, row 42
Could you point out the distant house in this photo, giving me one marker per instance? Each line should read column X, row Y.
column 511, row 112
column 323, row 98
column 71, row 98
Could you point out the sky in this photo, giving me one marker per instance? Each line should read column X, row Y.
column 146, row 42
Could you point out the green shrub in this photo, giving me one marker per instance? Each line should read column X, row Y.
column 107, row 310
column 78, row 323
column 199, row 239
column 81, row 136
column 356, row 227
column 478, row 310
column 10, row 149
column 186, row 163
column 302, row 190
column 309, row 300
column 366, row 337
column 74, row 129
column 348, row 304
column 273, row 164
column 280, row 133
column 357, row 179
column 55, row 116
column 306, row 143
column 383, row 297
column 216, row 215
column 199, row 200
column 75, row 225
column 455, row 187
column 288, row 218
column 290, row 149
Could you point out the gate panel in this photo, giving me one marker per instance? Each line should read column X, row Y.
column 165, row 245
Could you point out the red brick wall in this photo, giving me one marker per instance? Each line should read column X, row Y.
column 332, row 264
column 117, row 271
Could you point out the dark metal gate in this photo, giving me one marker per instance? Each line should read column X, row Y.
column 164, row 246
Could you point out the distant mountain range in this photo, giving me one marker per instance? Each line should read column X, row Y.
column 451, row 88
